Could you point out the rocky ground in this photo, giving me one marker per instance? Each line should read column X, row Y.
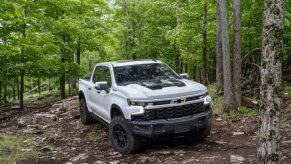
column 61, row 138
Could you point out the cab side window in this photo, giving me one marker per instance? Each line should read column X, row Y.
column 102, row 73
column 97, row 74
column 106, row 76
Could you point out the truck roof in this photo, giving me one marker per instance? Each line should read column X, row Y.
column 131, row 62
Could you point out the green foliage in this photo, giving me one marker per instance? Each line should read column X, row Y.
column 45, row 37
column 15, row 148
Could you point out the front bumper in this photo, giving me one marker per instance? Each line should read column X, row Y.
column 173, row 126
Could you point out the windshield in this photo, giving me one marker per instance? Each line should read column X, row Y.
column 125, row 75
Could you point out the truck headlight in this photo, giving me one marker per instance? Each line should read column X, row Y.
column 207, row 100
column 136, row 103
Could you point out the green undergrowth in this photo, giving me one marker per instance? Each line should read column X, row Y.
column 286, row 92
column 14, row 148
column 218, row 106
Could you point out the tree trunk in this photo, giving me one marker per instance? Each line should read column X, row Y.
column 22, row 70
column 0, row 92
column 17, row 87
column 5, row 90
column 219, row 66
column 177, row 63
column 78, row 53
column 78, row 61
column 69, row 87
column 63, row 73
column 21, row 97
column 38, row 86
column 237, row 54
column 49, row 85
column 63, row 86
column 270, row 103
column 227, row 88
column 204, row 50
column 13, row 89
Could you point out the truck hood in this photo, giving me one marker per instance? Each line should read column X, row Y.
column 162, row 89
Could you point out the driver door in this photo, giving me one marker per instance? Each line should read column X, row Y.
column 98, row 97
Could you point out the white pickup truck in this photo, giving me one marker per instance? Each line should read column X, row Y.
column 144, row 99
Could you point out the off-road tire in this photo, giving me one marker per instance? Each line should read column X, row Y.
column 201, row 134
column 132, row 142
column 86, row 117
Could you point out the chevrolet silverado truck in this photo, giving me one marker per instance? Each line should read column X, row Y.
column 144, row 99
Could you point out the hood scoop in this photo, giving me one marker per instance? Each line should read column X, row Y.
column 159, row 84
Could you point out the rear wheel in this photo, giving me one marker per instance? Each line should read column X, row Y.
column 86, row 117
column 121, row 138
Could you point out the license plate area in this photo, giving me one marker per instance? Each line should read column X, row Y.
column 182, row 127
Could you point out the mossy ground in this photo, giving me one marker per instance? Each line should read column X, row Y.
column 14, row 148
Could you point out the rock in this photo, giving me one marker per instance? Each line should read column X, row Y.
column 190, row 160
column 219, row 119
column 114, row 162
column 45, row 118
column 55, row 106
column 21, row 123
column 79, row 157
column 221, row 142
column 237, row 133
column 143, row 159
column 164, row 152
column 286, row 142
column 68, row 162
column 46, row 149
column 236, row 158
column 62, row 110
column 15, row 107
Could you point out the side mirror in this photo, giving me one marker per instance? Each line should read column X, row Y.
column 184, row 75
column 102, row 85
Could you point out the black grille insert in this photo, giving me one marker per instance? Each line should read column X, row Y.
column 192, row 98
column 162, row 102
column 173, row 112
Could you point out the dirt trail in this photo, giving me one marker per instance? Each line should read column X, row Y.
column 62, row 138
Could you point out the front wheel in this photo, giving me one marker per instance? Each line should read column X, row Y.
column 86, row 117
column 121, row 138
column 201, row 134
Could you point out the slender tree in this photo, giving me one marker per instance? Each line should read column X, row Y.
column 204, row 47
column 219, row 66
column 270, row 105
column 237, row 54
column 227, row 87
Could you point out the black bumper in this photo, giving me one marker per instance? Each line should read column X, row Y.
column 173, row 126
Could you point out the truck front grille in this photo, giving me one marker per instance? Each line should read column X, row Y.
column 172, row 112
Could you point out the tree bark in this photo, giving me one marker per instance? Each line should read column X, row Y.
column 204, row 49
column 38, row 86
column 5, row 90
column 17, row 87
column 21, row 97
column 0, row 92
column 270, row 103
column 63, row 73
column 22, row 70
column 237, row 54
column 227, row 88
column 69, row 87
column 77, row 61
column 49, row 85
column 219, row 66
column 63, row 86
column 13, row 89
column 78, row 53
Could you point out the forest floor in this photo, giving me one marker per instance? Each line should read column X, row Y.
column 51, row 132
